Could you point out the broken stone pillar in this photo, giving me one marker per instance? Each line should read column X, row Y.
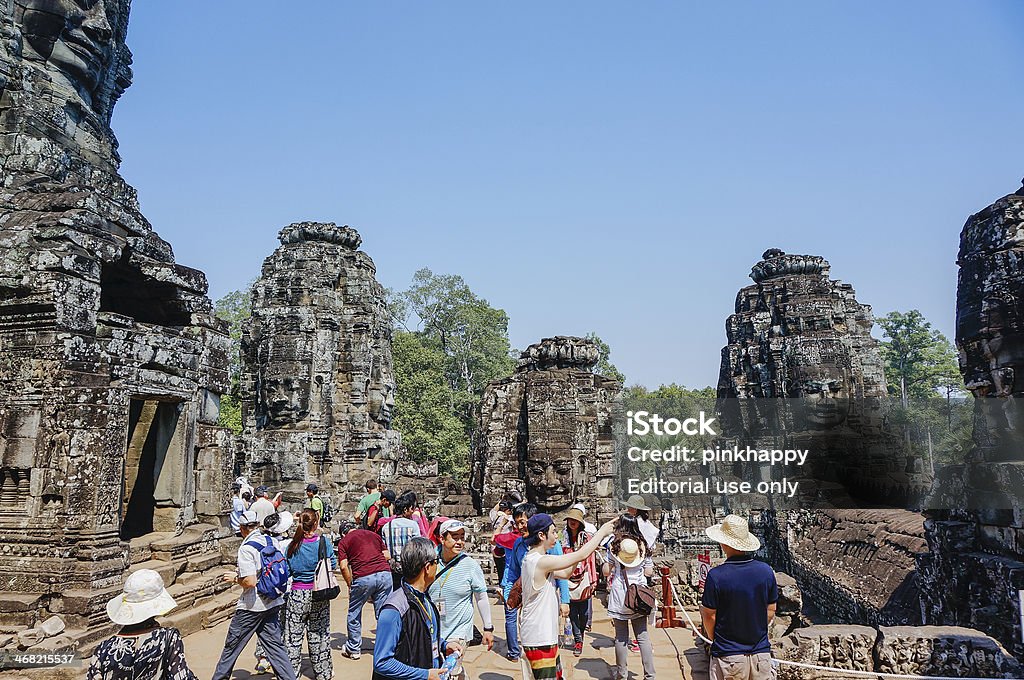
column 974, row 571
column 318, row 382
column 111, row 361
column 546, row 431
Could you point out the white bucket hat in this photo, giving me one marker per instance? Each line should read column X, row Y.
column 734, row 532
column 144, row 596
column 629, row 554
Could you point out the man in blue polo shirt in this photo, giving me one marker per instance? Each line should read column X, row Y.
column 738, row 606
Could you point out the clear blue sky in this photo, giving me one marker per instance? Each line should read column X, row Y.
column 586, row 166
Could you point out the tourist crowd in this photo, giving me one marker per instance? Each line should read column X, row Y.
column 426, row 591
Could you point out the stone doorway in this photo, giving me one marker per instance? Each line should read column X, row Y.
column 154, row 467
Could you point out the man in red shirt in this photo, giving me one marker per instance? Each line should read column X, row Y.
column 365, row 569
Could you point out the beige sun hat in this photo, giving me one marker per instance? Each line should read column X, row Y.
column 636, row 501
column 576, row 514
column 143, row 596
column 629, row 554
column 734, row 532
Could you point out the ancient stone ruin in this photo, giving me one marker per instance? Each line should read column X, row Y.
column 799, row 336
column 546, row 431
column 318, row 383
column 111, row 361
column 974, row 573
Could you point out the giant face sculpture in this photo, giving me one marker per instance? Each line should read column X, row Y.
column 284, row 395
column 73, row 35
column 549, row 474
column 824, row 395
column 380, row 394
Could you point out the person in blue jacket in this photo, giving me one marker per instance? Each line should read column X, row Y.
column 513, row 567
column 409, row 645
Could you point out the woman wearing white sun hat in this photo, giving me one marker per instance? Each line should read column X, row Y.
column 142, row 650
column 629, row 562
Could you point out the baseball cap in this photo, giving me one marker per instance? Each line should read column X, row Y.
column 249, row 517
column 451, row 526
column 312, row 487
column 262, row 490
column 536, row 524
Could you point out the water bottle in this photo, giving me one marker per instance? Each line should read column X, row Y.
column 451, row 666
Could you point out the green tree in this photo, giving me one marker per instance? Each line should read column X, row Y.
column 604, row 365
column 469, row 333
column 918, row 358
column 236, row 309
column 424, row 411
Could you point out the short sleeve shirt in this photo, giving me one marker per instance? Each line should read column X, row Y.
column 740, row 590
column 237, row 508
column 249, row 564
column 366, row 501
column 364, row 551
column 456, row 586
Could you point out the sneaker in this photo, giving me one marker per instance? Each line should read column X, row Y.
column 349, row 654
column 514, row 659
column 634, row 646
column 577, row 649
column 263, row 666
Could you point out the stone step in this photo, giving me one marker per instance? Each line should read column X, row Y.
column 192, row 587
column 205, row 561
column 205, row 613
column 168, row 570
column 195, row 540
column 140, row 547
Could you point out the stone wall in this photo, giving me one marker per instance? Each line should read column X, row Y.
column 918, row 650
column 853, row 566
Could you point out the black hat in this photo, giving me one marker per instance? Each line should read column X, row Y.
column 262, row 490
column 312, row 487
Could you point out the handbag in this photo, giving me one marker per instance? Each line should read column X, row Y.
column 581, row 588
column 640, row 599
column 515, row 596
column 325, row 584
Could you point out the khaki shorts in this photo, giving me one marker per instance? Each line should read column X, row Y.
column 742, row 667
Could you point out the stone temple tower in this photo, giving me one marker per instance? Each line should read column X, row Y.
column 974, row 573
column 546, row 431
column 318, row 383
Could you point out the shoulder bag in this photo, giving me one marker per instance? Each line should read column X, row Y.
column 325, row 584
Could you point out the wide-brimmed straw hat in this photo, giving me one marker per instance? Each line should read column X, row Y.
column 734, row 532
column 636, row 501
column 576, row 514
column 143, row 597
column 629, row 554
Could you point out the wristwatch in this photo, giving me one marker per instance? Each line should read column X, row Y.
column 489, row 629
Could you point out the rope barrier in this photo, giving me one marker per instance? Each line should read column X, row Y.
column 827, row 669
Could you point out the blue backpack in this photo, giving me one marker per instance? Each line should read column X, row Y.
column 272, row 578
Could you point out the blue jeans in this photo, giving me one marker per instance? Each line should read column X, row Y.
column 512, row 633
column 377, row 586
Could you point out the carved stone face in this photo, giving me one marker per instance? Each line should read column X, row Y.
column 285, row 400
column 549, row 476
column 73, row 35
column 824, row 395
column 380, row 395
